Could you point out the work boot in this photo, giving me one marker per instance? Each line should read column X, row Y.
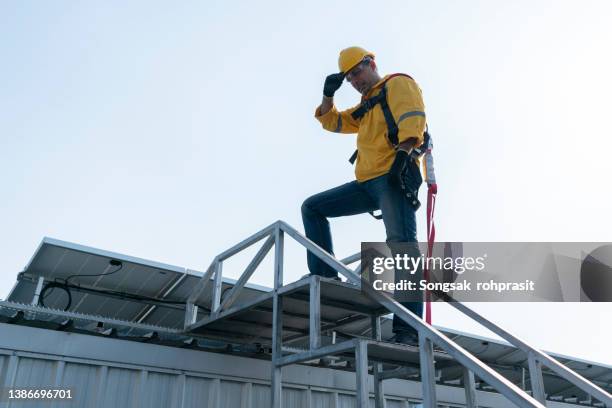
column 408, row 338
column 335, row 278
column 411, row 339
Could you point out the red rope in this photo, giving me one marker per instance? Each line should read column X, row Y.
column 431, row 237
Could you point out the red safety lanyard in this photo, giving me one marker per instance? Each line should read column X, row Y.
column 431, row 237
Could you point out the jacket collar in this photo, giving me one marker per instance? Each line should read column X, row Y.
column 375, row 87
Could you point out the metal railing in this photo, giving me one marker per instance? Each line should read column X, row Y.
column 428, row 335
column 536, row 358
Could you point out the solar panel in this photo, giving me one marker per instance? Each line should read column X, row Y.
column 124, row 287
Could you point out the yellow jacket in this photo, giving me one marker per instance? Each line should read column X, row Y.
column 375, row 152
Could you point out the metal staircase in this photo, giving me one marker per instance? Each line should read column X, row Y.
column 292, row 313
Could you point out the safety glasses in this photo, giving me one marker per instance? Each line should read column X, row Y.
column 357, row 69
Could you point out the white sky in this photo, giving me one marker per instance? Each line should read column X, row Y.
column 171, row 131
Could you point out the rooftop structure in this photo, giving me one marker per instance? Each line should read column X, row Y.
column 332, row 327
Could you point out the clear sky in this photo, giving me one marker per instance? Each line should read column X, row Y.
column 172, row 130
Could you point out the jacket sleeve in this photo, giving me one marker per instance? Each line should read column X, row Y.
column 406, row 104
column 338, row 122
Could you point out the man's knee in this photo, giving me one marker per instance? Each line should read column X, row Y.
column 307, row 206
column 312, row 205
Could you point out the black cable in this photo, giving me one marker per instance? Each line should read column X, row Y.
column 128, row 295
column 112, row 262
column 66, row 286
column 53, row 285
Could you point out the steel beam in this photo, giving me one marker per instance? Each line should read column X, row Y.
column 244, row 244
column 277, row 353
column 216, row 297
column 276, row 388
column 203, row 283
column 351, row 259
column 315, row 312
column 469, row 384
column 231, row 311
column 428, row 373
column 279, row 242
column 379, row 394
column 232, row 295
column 361, row 374
column 191, row 313
column 535, row 377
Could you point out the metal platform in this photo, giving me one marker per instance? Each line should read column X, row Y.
column 341, row 304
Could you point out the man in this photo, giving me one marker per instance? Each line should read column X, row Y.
column 380, row 166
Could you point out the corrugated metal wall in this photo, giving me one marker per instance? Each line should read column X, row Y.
column 105, row 372
column 110, row 386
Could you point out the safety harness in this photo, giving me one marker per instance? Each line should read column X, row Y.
column 369, row 104
column 412, row 172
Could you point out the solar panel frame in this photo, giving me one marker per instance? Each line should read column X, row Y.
column 57, row 260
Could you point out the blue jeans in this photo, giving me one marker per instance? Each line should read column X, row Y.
column 358, row 198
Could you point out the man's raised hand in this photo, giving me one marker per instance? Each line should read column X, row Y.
column 333, row 82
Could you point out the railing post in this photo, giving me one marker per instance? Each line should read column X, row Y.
column 315, row 312
column 277, row 344
column 361, row 374
column 469, row 384
column 191, row 313
column 535, row 376
column 277, row 321
column 216, row 299
column 279, row 242
column 379, row 395
column 428, row 379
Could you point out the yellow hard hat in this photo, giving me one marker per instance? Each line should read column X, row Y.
column 351, row 56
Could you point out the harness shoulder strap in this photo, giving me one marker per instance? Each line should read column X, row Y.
column 369, row 103
column 392, row 129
